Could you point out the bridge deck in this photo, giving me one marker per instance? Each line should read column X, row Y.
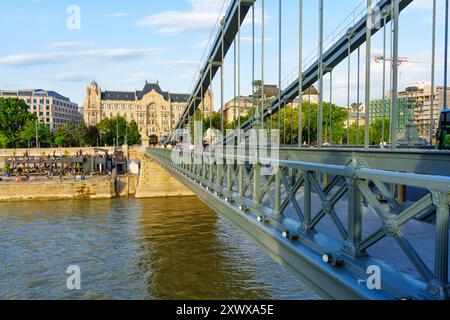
column 405, row 248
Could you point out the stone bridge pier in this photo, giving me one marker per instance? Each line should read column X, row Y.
column 154, row 182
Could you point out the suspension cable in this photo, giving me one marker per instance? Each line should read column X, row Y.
column 320, row 110
column 284, row 121
column 211, row 101
column 330, row 138
column 394, row 109
column 383, row 117
column 222, row 81
column 433, row 62
column 279, row 65
column 446, row 55
column 262, row 62
column 358, row 94
column 349, row 53
column 367, row 84
column 309, row 118
column 391, row 69
column 300, row 75
column 234, row 85
column 239, row 65
column 255, row 111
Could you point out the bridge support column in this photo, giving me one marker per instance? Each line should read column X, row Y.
column 439, row 286
column 351, row 245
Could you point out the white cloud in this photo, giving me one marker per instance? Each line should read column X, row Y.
column 203, row 15
column 64, row 57
column 117, row 15
column 69, row 44
column 71, row 77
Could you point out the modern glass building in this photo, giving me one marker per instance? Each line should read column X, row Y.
column 48, row 106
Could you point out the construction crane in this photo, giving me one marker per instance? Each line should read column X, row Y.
column 401, row 60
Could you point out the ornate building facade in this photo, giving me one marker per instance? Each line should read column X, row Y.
column 155, row 111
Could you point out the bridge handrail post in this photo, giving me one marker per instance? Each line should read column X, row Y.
column 439, row 286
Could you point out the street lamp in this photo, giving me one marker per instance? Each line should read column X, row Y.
column 411, row 137
column 37, row 136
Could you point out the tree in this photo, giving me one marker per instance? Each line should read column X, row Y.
column 289, row 123
column 14, row 115
column 92, row 137
column 27, row 136
column 65, row 135
column 134, row 136
column 111, row 128
column 375, row 132
column 80, row 134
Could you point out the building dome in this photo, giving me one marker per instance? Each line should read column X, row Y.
column 94, row 84
column 311, row 91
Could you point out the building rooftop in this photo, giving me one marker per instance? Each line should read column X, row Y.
column 139, row 94
column 33, row 92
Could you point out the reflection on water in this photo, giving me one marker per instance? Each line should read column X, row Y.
column 133, row 249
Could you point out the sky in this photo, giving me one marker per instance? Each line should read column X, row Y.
column 121, row 44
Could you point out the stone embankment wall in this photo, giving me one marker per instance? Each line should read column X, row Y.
column 92, row 188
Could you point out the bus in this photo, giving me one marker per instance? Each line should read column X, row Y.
column 443, row 134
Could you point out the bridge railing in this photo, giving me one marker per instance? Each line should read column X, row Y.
column 354, row 207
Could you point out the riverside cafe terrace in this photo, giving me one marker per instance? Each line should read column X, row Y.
column 78, row 165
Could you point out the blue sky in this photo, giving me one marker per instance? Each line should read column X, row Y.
column 123, row 43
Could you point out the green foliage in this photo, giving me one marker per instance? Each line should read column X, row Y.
column 14, row 115
column 66, row 135
column 4, row 141
column 110, row 128
column 27, row 136
column 375, row 132
column 289, row 123
column 134, row 136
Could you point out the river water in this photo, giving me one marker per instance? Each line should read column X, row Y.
column 134, row 249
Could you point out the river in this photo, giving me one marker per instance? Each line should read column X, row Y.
column 173, row 248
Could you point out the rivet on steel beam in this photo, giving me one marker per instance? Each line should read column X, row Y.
column 288, row 235
column 242, row 207
column 327, row 258
column 262, row 219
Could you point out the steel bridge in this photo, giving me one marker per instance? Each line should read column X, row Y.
column 353, row 222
